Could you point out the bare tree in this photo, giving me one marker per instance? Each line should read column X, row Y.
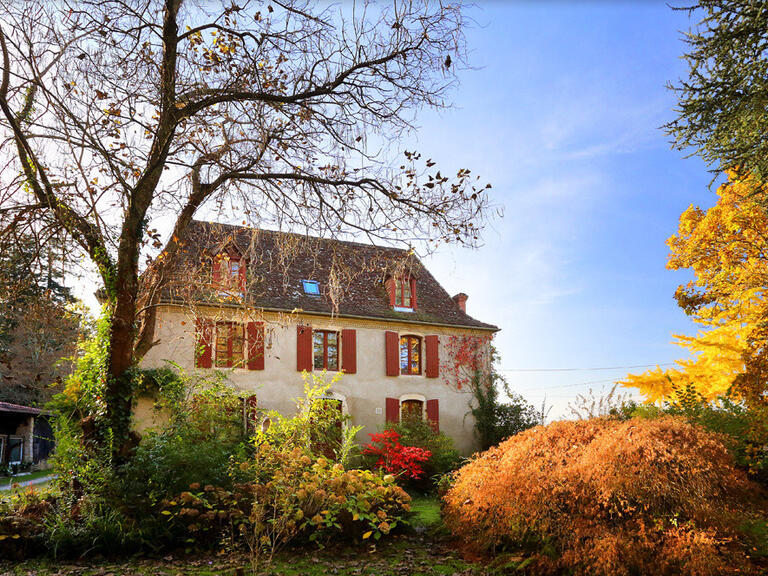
column 116, row 114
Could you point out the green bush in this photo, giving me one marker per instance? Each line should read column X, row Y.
column 204, row 433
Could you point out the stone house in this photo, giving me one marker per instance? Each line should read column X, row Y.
column 265, row 306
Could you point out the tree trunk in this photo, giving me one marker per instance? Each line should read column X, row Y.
column 119, row 389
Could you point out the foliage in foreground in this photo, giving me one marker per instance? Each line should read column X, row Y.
column 302, row 499
column 204, row 479
column 612, row 497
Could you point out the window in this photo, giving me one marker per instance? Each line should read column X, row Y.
column 325, row 345
column 15, row 450
column 411, row 410
column 229, row 272
column 229, row 344
column 403, row 293
column 311, row 287
column 234, row 273
column 410, row 355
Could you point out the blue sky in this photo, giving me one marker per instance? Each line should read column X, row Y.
column 562, row 116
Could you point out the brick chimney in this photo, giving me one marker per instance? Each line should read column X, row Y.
column 461, row 301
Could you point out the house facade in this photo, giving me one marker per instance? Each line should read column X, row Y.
column 264, row 307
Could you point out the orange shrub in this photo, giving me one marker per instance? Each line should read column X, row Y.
column 607, row 497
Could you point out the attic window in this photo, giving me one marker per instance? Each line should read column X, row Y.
column 402, row 293
column 311, row 287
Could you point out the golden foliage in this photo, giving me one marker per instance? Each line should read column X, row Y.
column 606, row 497
column 726, row 248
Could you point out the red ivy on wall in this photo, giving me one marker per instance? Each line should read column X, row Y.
column 466, row 356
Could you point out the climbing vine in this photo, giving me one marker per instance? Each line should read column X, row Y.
column 466, row 356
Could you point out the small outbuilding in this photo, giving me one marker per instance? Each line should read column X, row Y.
column 26, row 435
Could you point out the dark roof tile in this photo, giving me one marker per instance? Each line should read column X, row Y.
column 351, row 275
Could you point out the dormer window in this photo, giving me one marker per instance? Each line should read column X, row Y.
column 402, row 293
column 229, row 271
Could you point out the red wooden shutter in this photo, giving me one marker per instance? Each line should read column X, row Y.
column 433, row 358
column 390, row 284
column 413, row 293
column 203, row 343
column 393, row 410
column 255, row 336
column 433, row 414
column 349, row 351
column 304, row 348
column 217, row 270
column 392, row 345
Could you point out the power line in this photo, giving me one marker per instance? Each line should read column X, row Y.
column 567, row 385
column 585, row 369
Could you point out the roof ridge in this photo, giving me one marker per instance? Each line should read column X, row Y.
column 282, row 232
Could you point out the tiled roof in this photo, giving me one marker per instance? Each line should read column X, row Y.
column 351, row 275
column 19, row 409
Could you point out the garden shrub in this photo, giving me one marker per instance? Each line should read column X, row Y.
column 204, row 432
column 394, row 458
column 288, row 488
column 605, row 496
column 303, row 499
column 745, row 426
column 22, row 523
column 419, row 433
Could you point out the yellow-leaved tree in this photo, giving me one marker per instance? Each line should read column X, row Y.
column 726, row 248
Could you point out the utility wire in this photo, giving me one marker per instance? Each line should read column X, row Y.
column 584, row 369
column 565, row 385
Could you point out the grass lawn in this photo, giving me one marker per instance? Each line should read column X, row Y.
column 402, row 555
column 6, row 482
column 426, row 513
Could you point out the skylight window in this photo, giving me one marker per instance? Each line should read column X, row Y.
column 311, row 287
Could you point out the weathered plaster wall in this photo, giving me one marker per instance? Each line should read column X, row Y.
column 279, row 383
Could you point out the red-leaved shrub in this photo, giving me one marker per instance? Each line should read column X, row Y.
column 600, row 496
column 394, row 458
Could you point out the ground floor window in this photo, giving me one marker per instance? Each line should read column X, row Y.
column 229, row 344
column 15, row 449
column 411, row 410
column 325, row 346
